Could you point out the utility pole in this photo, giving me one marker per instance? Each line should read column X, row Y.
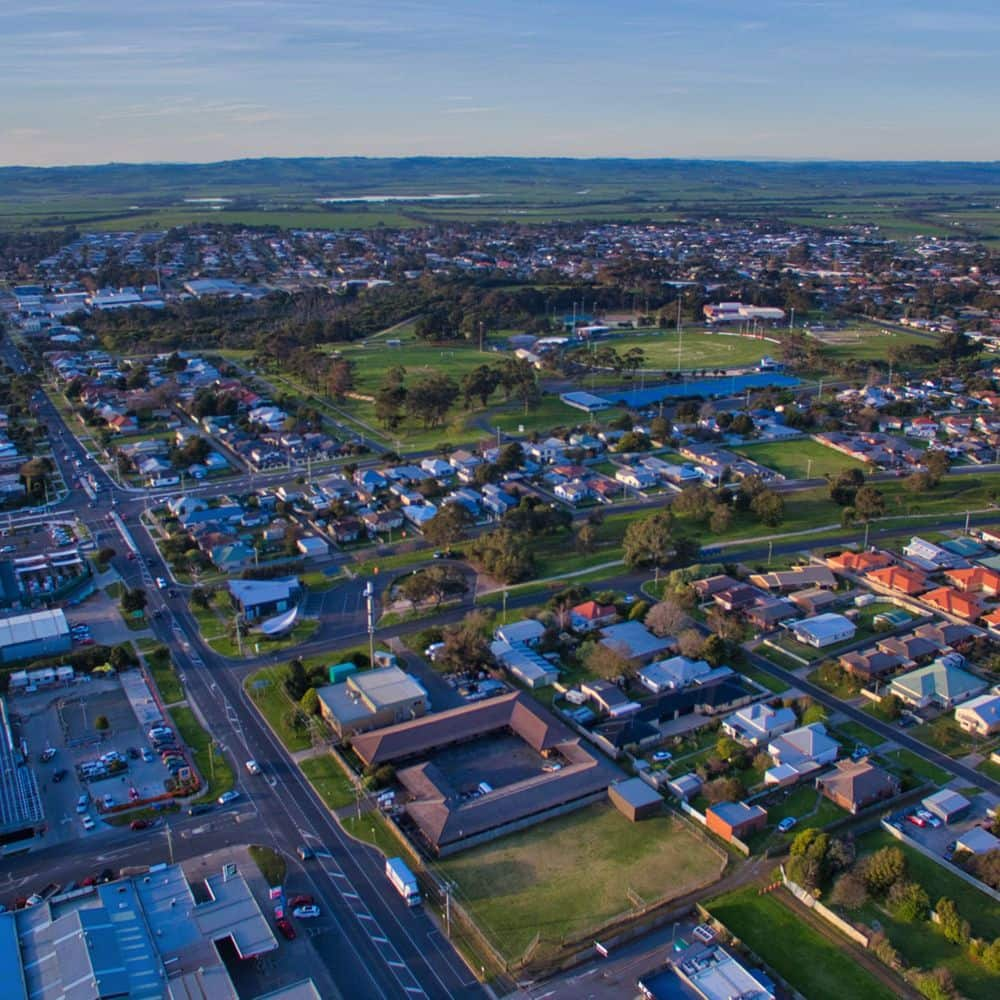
column 370, row 607
column 505, row 607
column 809, row 468
column 968, row 514
column 868, row 525
column 480, row 336
column 239, row 633
column 770, row 551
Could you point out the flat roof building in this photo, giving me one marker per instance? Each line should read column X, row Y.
column 634, row 799
column 21, row 813
column 372, row 699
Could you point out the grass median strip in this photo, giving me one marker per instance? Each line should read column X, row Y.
column 329, row 780
column 210, row 761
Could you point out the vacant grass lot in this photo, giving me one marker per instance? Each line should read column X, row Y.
column 815, row 966
column 329, row 780
column 211, row 763
column 266, row 688
column 920, row 943
column 577, row 872
column 792, row 458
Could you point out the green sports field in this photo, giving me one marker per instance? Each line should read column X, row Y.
column 697, row 349
column 792, row 458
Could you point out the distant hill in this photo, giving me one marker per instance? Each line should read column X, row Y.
column 507, row 177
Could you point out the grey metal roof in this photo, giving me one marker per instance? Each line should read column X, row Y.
column 20, row 801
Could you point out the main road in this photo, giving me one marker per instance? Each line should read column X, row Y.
column 384, row 949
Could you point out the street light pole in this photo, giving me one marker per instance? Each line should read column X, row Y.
column 369, row 593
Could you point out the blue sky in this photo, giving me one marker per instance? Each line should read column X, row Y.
column 218, row 79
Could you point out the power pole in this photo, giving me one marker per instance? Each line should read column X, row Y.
column 370, row 607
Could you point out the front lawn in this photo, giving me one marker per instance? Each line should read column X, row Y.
column 903, row 760
column 945, row 735
column 810, row 962
column 774, row 684
column 577, row 872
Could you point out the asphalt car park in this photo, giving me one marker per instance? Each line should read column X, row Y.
column 914, row 823
column 62, row 719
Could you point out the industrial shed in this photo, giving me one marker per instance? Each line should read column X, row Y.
column 634, row 799
column 40, row 634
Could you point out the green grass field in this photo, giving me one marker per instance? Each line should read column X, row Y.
column 866, row 341
column 945, row 734
column 800, row 458
column 906, row 760
column 696, row 349
column 164, row 675
column 811, row 963
column 329, row 780
column 267, row 691
column 576, row 872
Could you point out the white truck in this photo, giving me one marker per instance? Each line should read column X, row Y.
column 404, row 881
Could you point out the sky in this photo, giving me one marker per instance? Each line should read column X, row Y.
column 204, row 80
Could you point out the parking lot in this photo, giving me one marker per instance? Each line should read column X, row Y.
column 64, row 720
column 939, row 838
column 101, row 614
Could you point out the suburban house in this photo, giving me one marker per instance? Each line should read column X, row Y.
column 635, row 642
column 797, row 578
column 870, row 664
column 912, row 649
column 930, row 557
column 947, row 633
column 524, row 663
column 975, row 579
column 767, row 614
column 673, row 674
column 735, row 820
column 813, row 601
column 758, row 724
column 902, row 581
column 980, row 716
column 636, row 478
column 712, row 585
column 609, row 699
column 854, row 785
column 370, row 700
column 590, row 615
column 939, row 683
column 260, row 599
column 954, row 602
column 824, row 630
column 859, row 562
column 808, row 743
column 527, row 631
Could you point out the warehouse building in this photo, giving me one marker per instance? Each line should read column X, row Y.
column 21, row 815
column 947, row 805
column 33, row 636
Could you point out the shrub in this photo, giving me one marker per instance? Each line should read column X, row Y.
column 881, row 870
column 908, row 902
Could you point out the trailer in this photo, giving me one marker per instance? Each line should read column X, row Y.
column 404, row 881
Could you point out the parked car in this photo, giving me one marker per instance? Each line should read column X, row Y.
column 916, row 820
column 47, row 754
column 704, row 933
column 285, row 926
column 661, row 756
column 58, row 776
column 140, row 824
column 302, row 899
column 82, row 803
column 161, row 583
column 305, row 912
column 88, row 822
column 226, row 797
column 147, row 755
column 787, row 823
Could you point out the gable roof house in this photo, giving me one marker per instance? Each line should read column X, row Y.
column 898, row 579
column 980, row 716
column 824, row 630
column 590, row 615
column 954, row 602
column 939, row 683
column 797, row 578
column 975, row 579
column 854, row 785
column 758, row 724
column 870, row 664
column 911, row 649
column 859, row 562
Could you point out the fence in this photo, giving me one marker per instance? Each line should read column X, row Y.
column 947, row 865
column 807, row 899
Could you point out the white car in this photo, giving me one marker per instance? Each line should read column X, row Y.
column 661, row 756
column 88, row 822
column 160, row 582
column 82, row 803
column 703, row 933
column 305, row 912
column 253, row 767
column 226, row 797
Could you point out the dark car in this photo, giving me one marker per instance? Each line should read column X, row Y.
column 199, row 810
column 140, row 824
column 303, row 899
column 58, row 776
column 286, row 928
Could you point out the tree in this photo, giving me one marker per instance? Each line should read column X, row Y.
column 511, row 457
column 918, row 482
column 340, row 378
column 938, row 984
column 882, row 948
column 101, row 724
column 666, row 617
column 721, row 519
column 648, row 542
column 723, row 790
column 585, row 539
column 716, row 651
column 35, row 474
column 390, row 398
column 430, row 398
column 659, row 429
column 416, row 588
column 881, row 870
column 950, row 922
column 695, row 502
column 690, row 642
column 448, row 525
column 480, row 384
column 105, row 554
column 296, row 681
column 937, row 463
column 121, row 657
column 133, row 600
column 814, row 713
column 869, row 503
column 309, row 702
column 990, row 956
column 769, row 508
column 608, row 660
column 504, row 554
column 845, row 485
column 908, row 902
column 727, row 748
column 465, row 645
column 849, row 892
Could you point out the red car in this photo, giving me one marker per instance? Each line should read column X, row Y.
column 302, row 900
column 916, row 820
column 140, row 824
column 286, row 928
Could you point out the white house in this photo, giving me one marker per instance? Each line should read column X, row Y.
column 824, row 630
column 758, row 724
column 980, row 716
column 638, row 479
